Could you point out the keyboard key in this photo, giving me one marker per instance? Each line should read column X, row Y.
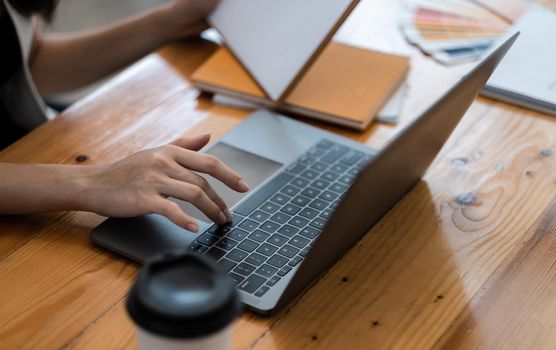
column 244, row 269
column 304, row 251
column 296, row 260
column 238, row 234
column 338, row 187
column 237, row 279
column 296, row 168
column 226, row 243
column 262, row 291
column 318, row 223
column 301, row 201
column 300, row 182
column 309, row 213
column 270, row 226
column 288, row 230
column 267, row 249
column 219, row 230
column 236, row 255
column 339, row 168
column 334, row 154
column 259, row 236
column 290, row 209
column 277, row 240
column 309, row 232
column 306, row 159
column 280, row 199
column 226, row 265
column 259, row 216
column 311, row 192
column 364, row 160
column 326, row 144
column 196, row 248
column 262, row 194
column 298, row 221
column 316, row 152
column 266, row 270
column 334, row 205
column 248, row 245
column 270, row 207
column 290, row 190
column 299, row 241
column 236, row 219
column 255, row 259
column 330, row 176
column 207, row 239
column 310, row 174
column 252, row 283
column 248, row 225
column 327, row 214
column 288, row 251
column 277, row 261
column 352, row 157
column 273, row 280
column 216, row 253
column 354, row 171
column 318, row 204
column 328, row 196
column 347, row 179
column 284, row 270
column 320, row 184
column 280, row 218
column 319, row 167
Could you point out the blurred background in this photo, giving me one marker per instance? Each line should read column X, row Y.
column 75, row 15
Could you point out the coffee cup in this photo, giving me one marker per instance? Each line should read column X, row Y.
column 183, row 301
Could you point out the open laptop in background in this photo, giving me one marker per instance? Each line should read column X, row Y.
column 315, row 194
column 276, row 40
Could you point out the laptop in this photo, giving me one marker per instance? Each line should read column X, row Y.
column 315, row 194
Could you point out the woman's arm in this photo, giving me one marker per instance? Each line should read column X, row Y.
column 67, row 61
column 137, row 185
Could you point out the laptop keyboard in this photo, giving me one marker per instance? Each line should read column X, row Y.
column 273, row 230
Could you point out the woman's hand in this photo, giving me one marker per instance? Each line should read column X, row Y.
column 185, row 18
column 141, row 183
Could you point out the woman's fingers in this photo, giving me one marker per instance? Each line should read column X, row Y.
column 173, row 212
column 196, row 196
column 209, row 164
column 193, row 143
column 185, row 175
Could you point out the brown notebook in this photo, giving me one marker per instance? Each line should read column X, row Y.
column 345, row 85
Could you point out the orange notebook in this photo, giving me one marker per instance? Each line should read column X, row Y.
column 345, row 85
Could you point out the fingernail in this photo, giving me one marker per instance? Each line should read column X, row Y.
column 192, row 227
column 222, row 218
column 243, row 185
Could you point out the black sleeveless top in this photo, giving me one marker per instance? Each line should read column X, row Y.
column 17, row 101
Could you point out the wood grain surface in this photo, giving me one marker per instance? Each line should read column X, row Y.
column 465, row 260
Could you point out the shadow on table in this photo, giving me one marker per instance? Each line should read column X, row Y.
column 400, row 286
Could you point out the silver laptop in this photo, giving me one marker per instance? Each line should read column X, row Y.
column 314, row 195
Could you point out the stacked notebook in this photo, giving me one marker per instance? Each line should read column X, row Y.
column 345, row 85
column 275, row 57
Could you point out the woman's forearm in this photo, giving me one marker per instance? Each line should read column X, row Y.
column 64, row 62
column 35, row 188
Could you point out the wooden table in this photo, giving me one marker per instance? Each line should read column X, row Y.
column 466, row 259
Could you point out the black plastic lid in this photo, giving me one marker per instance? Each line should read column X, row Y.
column 181, row 295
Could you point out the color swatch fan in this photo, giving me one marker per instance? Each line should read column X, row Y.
column 458, row 31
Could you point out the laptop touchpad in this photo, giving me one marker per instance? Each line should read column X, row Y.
column 253, row 168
